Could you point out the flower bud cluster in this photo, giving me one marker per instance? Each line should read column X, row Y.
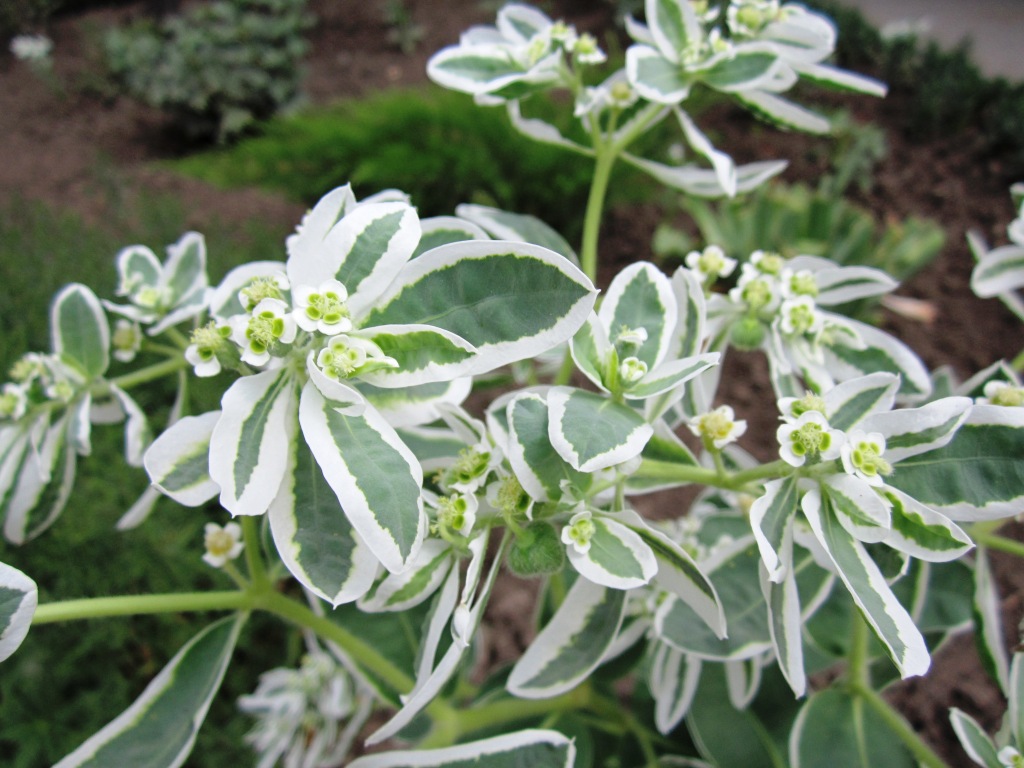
column 37, row 378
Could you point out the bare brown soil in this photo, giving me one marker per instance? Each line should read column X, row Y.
column 64, row 142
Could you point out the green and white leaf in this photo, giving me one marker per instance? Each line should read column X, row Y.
column 673, row 679
column 178, row 461
column 771, row 519
column 838, row 285
column 159, row 729
column 924, row 533
column 80, row 333
column 425, row 355
column 535, row 462
column 441, row 230
column 546, row 133
column 860, row 509
column 591, row 350
column 137, row 434
column 703, row 182
column 974, row 740
column 1015, row 712
column 572, row 644
column 401, row 591
column 618, row 558
column 671, row 375
column 224, row 302
column 880, row 352
column 509, row 300
column 474, row 69
column 850, row 401
column 680, row 575
column 867, row 585
column 249, row 443
column 411, row 407
column 912, row 431
column 999, row 271
column 19, row 597
column 438, row 619
column 742, row 680
column 988, row 620
column 15, row 440
column 736, row 579
column 747, row 68
column 434, row 447
column 592, row 432
column 784, row 112
column 519, row 227
column 785, row 623
column 834, row 722
column 977, row 475
column 655, row 77
column 314, row 538
column 374, row 474
column 46, row 474
column 673, row 25
column 533, row 748
column 725, row 168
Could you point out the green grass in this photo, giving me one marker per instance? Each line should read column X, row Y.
column 68, row 680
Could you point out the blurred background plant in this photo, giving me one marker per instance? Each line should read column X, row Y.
column 217, row 69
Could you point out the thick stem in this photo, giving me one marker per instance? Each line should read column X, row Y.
column 253, row 558
column 150, row 373
column 684, row 473
column 132, row 605
column 595, row 210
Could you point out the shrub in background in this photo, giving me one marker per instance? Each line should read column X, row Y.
column 218, row 69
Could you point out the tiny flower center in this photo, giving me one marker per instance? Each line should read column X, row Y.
column 328, row 307
column 340, row 361
column 511, row 497
column 801, row 318
column 757, row 294
column 716, row 425
column 632, row 369
column 770, row 263
column 581, row 532
column 451, row 512
column 866, row 457
column 809, row 402
column 803, row 284
column 810, row 440
column 264, row 330
column 259, row 289
column 208, row 339
column 621, row 92
column 219, row 542
column 1008, row 396
column 469, row 466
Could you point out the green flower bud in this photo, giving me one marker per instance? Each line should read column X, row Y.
column 748, row 333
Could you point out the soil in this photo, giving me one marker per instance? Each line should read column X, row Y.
column 62, row 141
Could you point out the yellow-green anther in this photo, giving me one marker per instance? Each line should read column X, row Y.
column 148, row 297
column 802, row 283
column 512, row 500
column 329, row 307
column 209, row 339
column 757, row 294
column 767, row 262
column 341, row 362
column 26, row 369
column 631, row 370
column 1004, row 393
column 809, row 440
column 259, row 289
column 809, row 402
column 866, row 457
column 621, row 92
column 579, row 531
column 264, row 329
column 12, row 402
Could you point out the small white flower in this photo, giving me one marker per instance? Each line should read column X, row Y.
column 799, row 282
column 13, row 402
column 458, row 512
column 347, row 356
column 1010, row 757
column 222, row 544
column 267, row 287
column 809, row 438
column 31, row 47
column 862, row 456
column 587, row 51
column 632, row 370
column 718, row 427
column 579, row 531
column 126, row 340
column 757, row 292
column 710, row 264
column 270, row 324
column 322, row 308
column 1002, row 393
column 792, row 408
column 800, row 317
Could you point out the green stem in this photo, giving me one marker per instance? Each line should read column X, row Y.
column 858, row 670
column 253, row 559
column 1001, row 543
column 686, row 473
column 1018, row 362
column 150, row 372
column 605, row 159
column 132, row 605
column 924, row 754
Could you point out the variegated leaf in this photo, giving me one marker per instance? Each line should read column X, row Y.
column 771, row 518
column 18, row 599
column 474, row 69
column 640, row 297
column 159, row 729
column 178, row 461
column 736, row 579
column 572, row 644
column 785, row 624
column 434, row 448
column 978, row 475
column 519, row 227
column 742, row 679
column 749, row 66
column 546, row 133
column 999, row 271
column 184, row 273
column 680, row 575
column 725, row 168
column 859, row 508
column 838, row 285
column 1015, row 712
column 80, row 333
column 137, row 265
column 424, row 354
column 868, row 587
column 401, row 591
column 438, row 620
column 673, row 26
column 673, row 682
column 881, row 352
column 533, row 748
column 249, row 443
column 655, row 77
column 411, row 407
column 974, row 740
column 783, row 111
column 441, row 230
column 224, row 301
column 924, row 533
column 912, row 431
column 509, row 300
column 536, row 463
column 313, row 536
column 46, row 474
column 618, row 557
column 988, row 620
column 592, row 432
column 671, row 375
column 591, row 350
column 375, row 476
column 703, row 182
column 850, row 401
column 137, row 434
